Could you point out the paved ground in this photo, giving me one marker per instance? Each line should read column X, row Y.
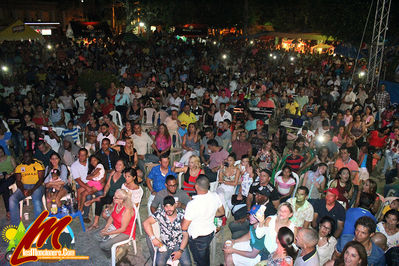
column 86, row 244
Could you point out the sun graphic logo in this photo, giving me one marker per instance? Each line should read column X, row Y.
column 12, row 235
column 9, row 233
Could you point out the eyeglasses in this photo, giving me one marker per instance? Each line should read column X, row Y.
column 325, row 227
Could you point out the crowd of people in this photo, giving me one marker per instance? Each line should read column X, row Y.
column 299, row 160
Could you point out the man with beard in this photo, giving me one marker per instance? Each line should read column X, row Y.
column 303, row 210
column 173, row 241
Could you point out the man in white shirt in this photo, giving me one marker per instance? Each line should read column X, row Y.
column 105, row 134
column 79, row 171
column 222, row 115
column 141, row 142
column 199, row 220
column 348, row 99
column 199, row 91
column 175, row 101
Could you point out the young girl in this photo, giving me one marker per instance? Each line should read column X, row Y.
column 267, row 157
column 348, row 117
column 285, row 183
column 95, row 176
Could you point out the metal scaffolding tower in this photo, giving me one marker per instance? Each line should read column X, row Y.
column 380, row 29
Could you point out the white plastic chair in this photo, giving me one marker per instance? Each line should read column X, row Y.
column 58, row 130
column 129, row 241
column 14, row 188
column 175, row 149
column 80, row 104
column 148, row 117
column 157, row 233
column 117, row 119
column 161, row 115
column 139, row 219
column 180, row 179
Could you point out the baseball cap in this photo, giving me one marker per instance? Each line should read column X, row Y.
column 240, row 213
column 258, row 211
column 333, row 190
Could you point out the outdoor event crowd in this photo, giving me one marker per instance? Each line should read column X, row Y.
column 294, row 158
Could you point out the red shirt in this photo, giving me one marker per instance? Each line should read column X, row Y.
column 377, row 141
column 117, row 221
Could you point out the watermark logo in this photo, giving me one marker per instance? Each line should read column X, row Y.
column 46, row 240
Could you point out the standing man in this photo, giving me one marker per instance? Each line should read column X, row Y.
column 329, row 207
column 29, row 178
column 179, row 195
column 303, row 210
column 307, row 240
column 348, row 99
column 121, row 102
column 382, row 101
column 169, row 219
column 157, row 178
column 199, row 220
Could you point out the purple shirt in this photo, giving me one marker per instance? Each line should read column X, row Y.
column 162, row 143
column 216, row 158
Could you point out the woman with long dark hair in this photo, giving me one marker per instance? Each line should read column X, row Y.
column 190, row 144
column 327, row 241
column 389, row 226
column 56, row 180
column 280, row 139
column 285, row 251
column 163, row 141
column 353, row 254
column 343, row 183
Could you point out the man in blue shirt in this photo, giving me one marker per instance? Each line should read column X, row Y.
column 365, row 203
column 364, row 230
column 157, row 178
column 121, row 102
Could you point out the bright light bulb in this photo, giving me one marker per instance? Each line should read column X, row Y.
column 362, row 73
column 292, row 58
column 141, row 24
column 4, row 68
column 271, row 55
column 49, row 46
column 214, row 42
column 251, row 42
column 224, row 56
column 274, row 57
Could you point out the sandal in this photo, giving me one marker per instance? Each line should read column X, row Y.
column 93, row 227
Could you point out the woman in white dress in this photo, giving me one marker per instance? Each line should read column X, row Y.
column 327, row 242
column 228, row 180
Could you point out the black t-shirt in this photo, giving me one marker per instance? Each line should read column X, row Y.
column 272, row 193
column 14, row 123
column 337, row 212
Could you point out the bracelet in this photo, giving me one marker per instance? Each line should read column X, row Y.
column 152, row 238
column 181, row 251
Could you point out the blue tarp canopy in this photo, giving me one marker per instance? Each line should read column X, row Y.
column 349, row 51
column 393, row 89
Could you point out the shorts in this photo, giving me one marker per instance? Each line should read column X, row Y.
column 96, row 184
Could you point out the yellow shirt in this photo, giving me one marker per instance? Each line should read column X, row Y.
column 187, row 119
column 292, row 108
column 29, row 172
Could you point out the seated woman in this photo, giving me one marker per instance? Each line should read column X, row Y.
column 327, row 242
column 344, row 185
column 120, row 223
column 96, row 179
column 285, row 253
column 127, row 152
column 115, row 181
column 370, row 186
column 127, row 131
column 132, row 185
column 91, row 132
column 7, row 178
column 228, row 180
column 272, row 225
column 56, row 180
column 315, row 181
column 191, row 173
column 190, row 144
column 389, row 227
column 285, row 183
column 339, row 137
column 267, row 157
column 163, row 141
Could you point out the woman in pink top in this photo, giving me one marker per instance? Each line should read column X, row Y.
column 119, row 224
column 162, row 141
column 285, row 184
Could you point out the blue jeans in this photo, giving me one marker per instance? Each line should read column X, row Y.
column 162, row 257
column 17, row 140
column 18, row 196
column 200, row 249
